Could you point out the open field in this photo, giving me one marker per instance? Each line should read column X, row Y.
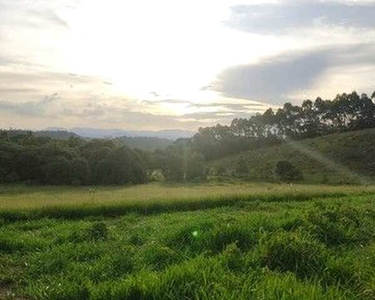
column 233, row 241
column 21, row 197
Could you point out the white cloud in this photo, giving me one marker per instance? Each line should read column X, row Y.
column 112, row 62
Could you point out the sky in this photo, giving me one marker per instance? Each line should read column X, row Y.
column 176, row 64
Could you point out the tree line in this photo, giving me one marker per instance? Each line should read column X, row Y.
column 27, row 157
column 347, row 112
column 43, row 160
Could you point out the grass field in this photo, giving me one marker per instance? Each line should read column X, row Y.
column 21, row 197
column 336, row 158
column 209, row 241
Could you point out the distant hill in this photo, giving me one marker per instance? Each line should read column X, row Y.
column 172, row 134
column 337, row 158
column 144, row 143
column 54, row 134
column 60, row 134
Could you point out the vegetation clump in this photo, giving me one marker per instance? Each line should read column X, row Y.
column 286, row 171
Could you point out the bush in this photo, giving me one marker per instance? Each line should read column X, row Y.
column 121, row 166
column 241, row 168
column 286, row 171
column 157, row 175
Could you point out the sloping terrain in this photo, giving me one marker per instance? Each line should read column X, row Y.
column 338, row 158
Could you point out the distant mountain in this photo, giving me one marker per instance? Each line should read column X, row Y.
column 144, row 143
column 54, row 134
column 171, row 134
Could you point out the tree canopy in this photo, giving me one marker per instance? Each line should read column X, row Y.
column 346, row 112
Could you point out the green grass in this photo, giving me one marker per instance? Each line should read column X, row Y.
column 22, row 197
column 244, row 241
column 337, row 159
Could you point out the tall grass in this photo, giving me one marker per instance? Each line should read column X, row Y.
column 292, row 245
column 28, row 197
column 176, row 198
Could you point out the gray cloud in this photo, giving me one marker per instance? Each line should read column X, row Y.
column 85, row 112
column 272, row 80
column 103, row 114
column 226, row 109
column 17, row 90
column 276, row 18
column 230, row 106
column 42, row 79
column 171, row 101
column 12, row 61
column 220, row 117
column 31, row 14
column 30, row 108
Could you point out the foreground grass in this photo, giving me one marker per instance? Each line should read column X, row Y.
column 304, row 243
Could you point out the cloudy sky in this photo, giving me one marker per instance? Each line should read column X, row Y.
column 168, row 64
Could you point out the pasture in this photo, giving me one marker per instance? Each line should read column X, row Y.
column 188, row 241
column 22, row 197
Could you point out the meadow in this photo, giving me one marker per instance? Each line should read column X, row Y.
column 188, row 241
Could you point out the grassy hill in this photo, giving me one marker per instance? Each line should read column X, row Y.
column 338, row 158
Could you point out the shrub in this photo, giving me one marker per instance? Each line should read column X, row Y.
column 241, row 168
column 286, row 171
column 121, row 166
column 157, row 175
